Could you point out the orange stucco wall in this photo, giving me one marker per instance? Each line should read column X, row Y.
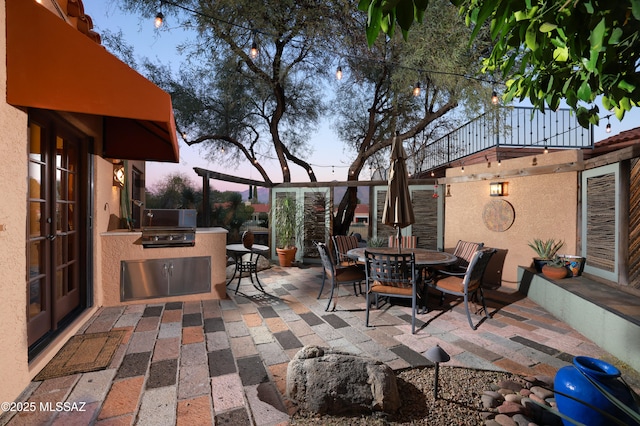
column 545, row 206
column 14, row 370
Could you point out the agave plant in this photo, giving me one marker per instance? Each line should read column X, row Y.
column 546, row 250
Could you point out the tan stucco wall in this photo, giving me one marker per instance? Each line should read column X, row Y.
column 14, row 371
column 545, row 205
column 118, row 246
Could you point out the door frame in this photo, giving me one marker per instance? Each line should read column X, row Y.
column 55, row 125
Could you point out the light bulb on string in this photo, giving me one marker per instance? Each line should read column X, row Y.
column 494, row 98
column 608, row 128
column 159, row 19
column 416, row 89
column 339, row 73
column 254, row 50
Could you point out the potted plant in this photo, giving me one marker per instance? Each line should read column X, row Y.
column 555, row 268
column 287, row 225
column 545, row 250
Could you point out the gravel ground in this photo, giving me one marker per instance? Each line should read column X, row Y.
column 458, row 403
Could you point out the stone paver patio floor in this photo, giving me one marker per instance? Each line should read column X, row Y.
column 225, row 361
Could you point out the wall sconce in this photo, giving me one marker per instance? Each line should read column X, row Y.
column 498, row 189
column 118, row 174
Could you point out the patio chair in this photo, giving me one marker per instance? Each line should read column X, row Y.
column 408, row 241
column 341, row 245
column 338, row 275
column 392, row 275
column 467, row 285
column 464, row 251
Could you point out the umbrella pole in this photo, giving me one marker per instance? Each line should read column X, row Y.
column 399, row 237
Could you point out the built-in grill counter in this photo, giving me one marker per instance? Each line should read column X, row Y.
column 168, row 260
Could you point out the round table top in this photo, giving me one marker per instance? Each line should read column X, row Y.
column 240, row 248
column 424, row 257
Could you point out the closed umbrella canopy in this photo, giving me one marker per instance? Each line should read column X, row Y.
column 398, row 210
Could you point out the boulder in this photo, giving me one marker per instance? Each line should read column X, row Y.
column 327, row 381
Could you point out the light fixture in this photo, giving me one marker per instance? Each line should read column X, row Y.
column 159, row 20
column 339, row 73
column 448, row 194
column 494, row 98
column 254, row 50
column 436, row 355
column 608, row 128
column 118, row 174
column 546, row 150
column 416, row 89
column 498, row 189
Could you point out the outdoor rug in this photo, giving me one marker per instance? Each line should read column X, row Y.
column 83, row 353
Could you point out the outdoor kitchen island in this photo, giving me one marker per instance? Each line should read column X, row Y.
column 123, row 251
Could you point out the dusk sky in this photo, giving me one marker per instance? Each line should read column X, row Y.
column 328, row 152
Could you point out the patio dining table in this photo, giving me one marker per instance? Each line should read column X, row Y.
column 424, row 257
column 248, row 264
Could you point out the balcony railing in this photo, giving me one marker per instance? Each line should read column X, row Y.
column 517, row 127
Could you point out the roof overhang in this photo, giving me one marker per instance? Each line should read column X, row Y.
column 51, row 65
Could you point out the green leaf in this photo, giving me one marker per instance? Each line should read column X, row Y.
column 597, row 35
column 530, row 37
column 584, row 91
column 606, row 103
column 626, row 86
column 616, row 34
column 561, row 54
column 404, row 14
column 635, row 8
column 547, row 27
column 363, row 5
column 521, row 15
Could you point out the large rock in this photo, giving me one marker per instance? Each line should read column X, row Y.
column 326, row 381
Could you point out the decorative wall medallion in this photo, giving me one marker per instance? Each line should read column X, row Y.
column 498, row 215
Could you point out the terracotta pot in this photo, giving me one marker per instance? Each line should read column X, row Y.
column 286, row 256
column 555, row 272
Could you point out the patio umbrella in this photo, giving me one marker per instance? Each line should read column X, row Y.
column 398, row 210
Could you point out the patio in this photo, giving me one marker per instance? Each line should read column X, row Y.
column 193, row 362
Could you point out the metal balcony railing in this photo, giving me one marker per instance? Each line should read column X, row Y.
column 518, row 127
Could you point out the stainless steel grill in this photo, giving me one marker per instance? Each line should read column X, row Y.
column 168, row 228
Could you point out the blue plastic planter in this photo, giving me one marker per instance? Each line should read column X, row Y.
column 571, row 381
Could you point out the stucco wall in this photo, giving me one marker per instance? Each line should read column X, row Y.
column 14, row 371
column 545, row 205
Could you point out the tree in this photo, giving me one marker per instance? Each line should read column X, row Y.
column 377, row 97
column 226, row 98
column 547, row 51
column 175, row 191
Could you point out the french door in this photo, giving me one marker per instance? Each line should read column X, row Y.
column 56, row 237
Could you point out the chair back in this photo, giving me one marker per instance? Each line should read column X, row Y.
column 342, row 244
column 327, row 262
column 391, row 269
column 464, row 251
column 408, row 241
column 477, row 266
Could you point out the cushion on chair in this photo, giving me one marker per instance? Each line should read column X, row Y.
column 342, row 244
column 378, row 287
column 453, row 283
column 464, row 252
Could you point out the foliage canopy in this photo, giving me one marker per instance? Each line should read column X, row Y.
column 548, row 51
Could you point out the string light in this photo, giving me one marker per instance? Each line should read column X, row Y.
column 157, row 22
column 416, row 89
column 608, row 128
column 339, row 73
column 494, row 98
column 546, row 150
column 254, row 50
